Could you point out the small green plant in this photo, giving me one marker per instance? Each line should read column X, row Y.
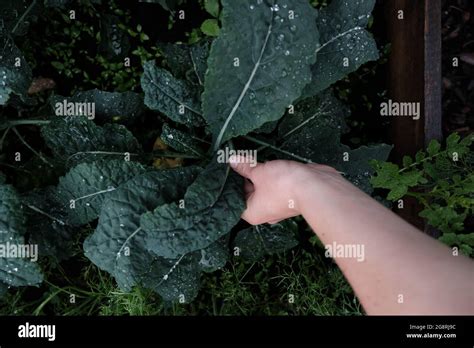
column 442, row 180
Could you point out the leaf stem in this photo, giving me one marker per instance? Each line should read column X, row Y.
column 119, row 253
column 260, row 142
column 110, row 189
column 420, row 162
column 23, row 16
column 32, row 207
column 3, row 138
column 29, row 147
column 12, row 123
column 99, row 153
column 174, row 155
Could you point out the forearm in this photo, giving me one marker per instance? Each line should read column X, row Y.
column 404, row 270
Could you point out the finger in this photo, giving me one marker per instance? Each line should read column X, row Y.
column 248, row 186
column 250, row 216
column 254, row 214
column 242, row 165
column 323, row 167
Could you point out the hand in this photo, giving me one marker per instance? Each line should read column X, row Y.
column 273, row 189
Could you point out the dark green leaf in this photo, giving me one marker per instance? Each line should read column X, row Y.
column 345, row 44
column 186, row 61
column 314, row 131
column 215, row 256
column 114, row 41
column 258, row 65
column 118, row 245
column 175, row 98
column 47, row 222
column 255, row 242
column 180, row 141
column 175, row 280
column 15, row 269
column 15, row 73
column 109, row 106
column 75, row 139
column 209, row 211
column 85, row 187
column 3, row 289
column 198, row 54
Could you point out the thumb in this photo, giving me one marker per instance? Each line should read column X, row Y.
column 242, row 165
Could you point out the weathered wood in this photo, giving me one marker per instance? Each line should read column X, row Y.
column 414, row 76
column 432, row 70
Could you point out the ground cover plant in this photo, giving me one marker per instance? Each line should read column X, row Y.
column 100, row 194
column 442, row 180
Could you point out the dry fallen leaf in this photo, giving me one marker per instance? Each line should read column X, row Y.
column 40, row 84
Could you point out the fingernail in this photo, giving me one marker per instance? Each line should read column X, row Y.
column 233, row 161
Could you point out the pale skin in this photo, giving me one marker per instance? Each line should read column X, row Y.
column 401, row 263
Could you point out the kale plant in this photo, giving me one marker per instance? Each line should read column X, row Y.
column 263, row 82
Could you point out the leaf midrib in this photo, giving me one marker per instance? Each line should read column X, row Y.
column 246, row 87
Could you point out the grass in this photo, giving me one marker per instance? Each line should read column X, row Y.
column 298, row 282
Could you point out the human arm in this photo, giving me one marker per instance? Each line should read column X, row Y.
column 404, row 271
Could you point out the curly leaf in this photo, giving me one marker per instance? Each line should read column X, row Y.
column 210, row 210
column 186, row 61
column 114, row 41
column 109, row 106
column 180, row 141
column 313, row 133
column 118, row 245
column 15, row 73
column 345, row 44
column 76, row 139
column 175, row 98
column 84, row 188
column 258, row 65
column 255, row 242
column 47, row 222
column 14, row 270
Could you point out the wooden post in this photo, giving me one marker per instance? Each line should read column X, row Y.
column 414, row 30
